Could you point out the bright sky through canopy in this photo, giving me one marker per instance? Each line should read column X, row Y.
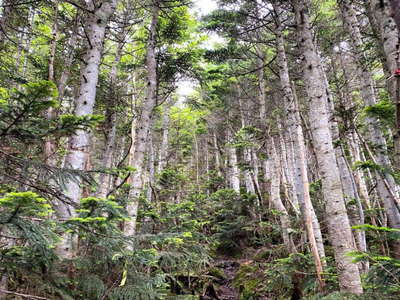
column 205, row 6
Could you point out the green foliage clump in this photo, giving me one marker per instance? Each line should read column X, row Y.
column 383, row 275
column 22, row 113
column 367, row 165
column 384, row 110
column 282, row 278
column 29, row 234
column 232, row 222
column 245, row 137
column 21, row 108
column 293, row 274
column 24, row 204
column 249, row 281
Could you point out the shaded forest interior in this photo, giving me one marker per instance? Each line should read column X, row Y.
column 162, row 149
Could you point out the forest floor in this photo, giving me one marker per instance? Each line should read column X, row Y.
column 230, row 267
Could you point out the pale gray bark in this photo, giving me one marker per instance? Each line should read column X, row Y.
column 151, row 169
column 287, row 172
column 389, row 34
column 256, row 173
column 234, row 173
column 143, row 125
column 162, row 160
column 386, row 185
column 247, row 173
column 49, row 149
column 358, row 174
column 261, row 83
column 217, row 155
column 350, row 191
column 28, row 41
column 298, row 148
column 104, row 179
column 290, row 161
column 197, row 158
column 276, row 198
column 248, row 178
column 77, row 153
column 336, row 214
column 65, row 74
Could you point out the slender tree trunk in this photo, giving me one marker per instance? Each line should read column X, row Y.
column 162, row 161
column 352, row 197
column 111, row 126
column 337, row 219
column 246, row 150
column 50, row 145
column 197, row 160
column 389, row 36
column 234, row 173
column 218, row 166
column 104, row 179
column 386, row 185
column 346, row 177
column 296, row 137
column 256, row 173
column 287, row 172
column 66, row 71
column 389, row 32
column 261, row 84
column 144, row 123
column 28, row 41
column 359, row 176
column 77, row 153
column 276, row 198
column 151, row 169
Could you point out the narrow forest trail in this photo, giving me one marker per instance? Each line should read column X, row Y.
column 230, row 267
column 227, row 290
column 225, row 268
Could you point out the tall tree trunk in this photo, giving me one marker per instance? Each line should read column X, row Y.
column 389, row 36
column 111, row 126
column 77, row 153
column 389, row 33
column 347, row 179
column 50, row 145
column 234, row 173
column 276, row 198
column 296, row 137
column 162, row 161
column 337, row 219
column 71, row 46
column 352, row 197
column 151, row 169
column 218, row 166
column 386, row 185
column 248, row 179
column 287, row 171
column 255, row 174
column 197, row 159
column 143, row 125
column 261, row 84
